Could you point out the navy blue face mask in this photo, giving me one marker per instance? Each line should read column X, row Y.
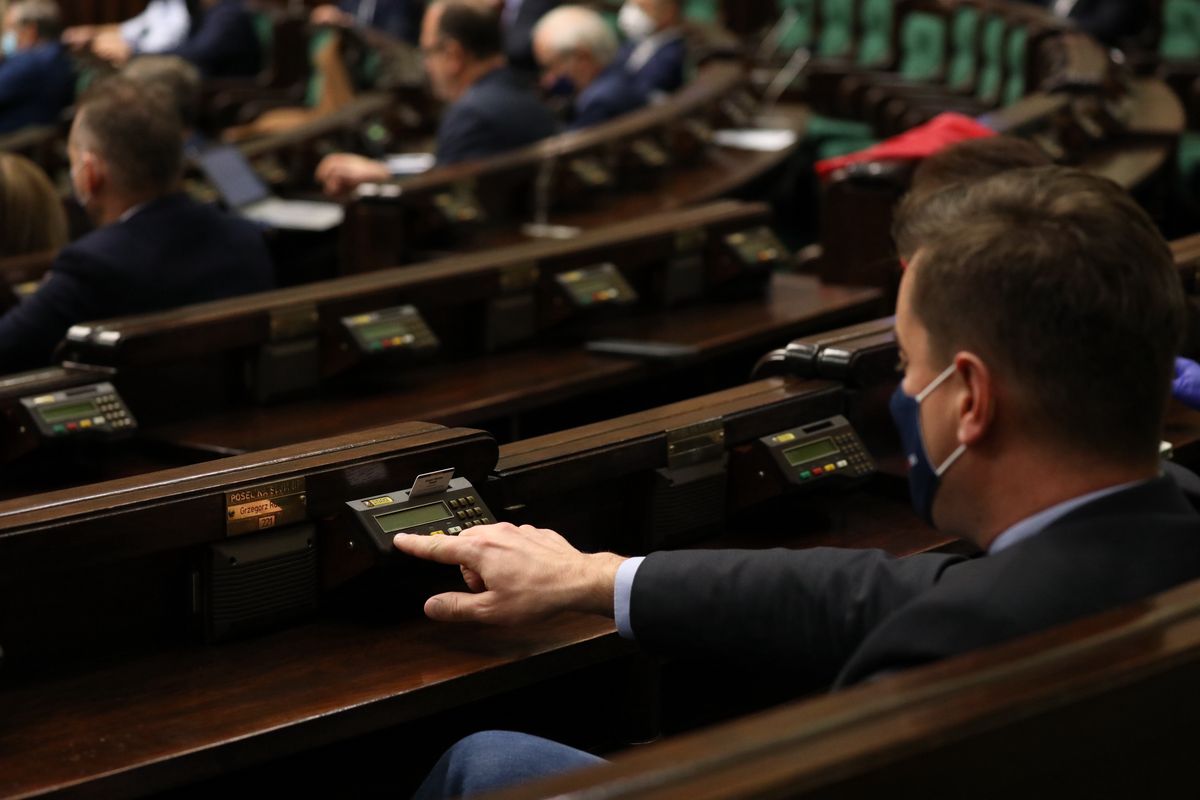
column 923, row 477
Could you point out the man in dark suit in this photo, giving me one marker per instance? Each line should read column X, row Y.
column 221, row 42
column 655, row 50
column 37, row 80
column 491, row 110
column 1110, row 21
column 1037, row 323
column 154, row 248
column 575, row 47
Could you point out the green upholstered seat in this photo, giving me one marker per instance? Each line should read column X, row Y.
column 964, row 41
column 1015, row 47
column 1180, row 30
column 705, row 11
column 800, row 33
column 836, row 37
column 875, row 33
column 922, row 46
column 828, row 136
column 312, row 92
column 991, row 59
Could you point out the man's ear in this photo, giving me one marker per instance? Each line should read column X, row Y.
column 976, row 398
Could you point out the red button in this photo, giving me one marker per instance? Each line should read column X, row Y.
column 72, row 426
column 818, row 471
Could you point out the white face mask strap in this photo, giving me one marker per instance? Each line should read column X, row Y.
column 928, row 390
column 958, row 451
column 935, row 383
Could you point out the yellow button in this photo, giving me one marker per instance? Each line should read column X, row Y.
column 437, row 533
column 830, row 467
column 87, row 423
column 787, row 437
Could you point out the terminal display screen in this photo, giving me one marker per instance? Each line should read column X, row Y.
column 384, row 329
column 397, row 521
column 803, row 453
column 72, row 411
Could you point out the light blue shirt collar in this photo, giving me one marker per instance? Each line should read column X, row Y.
column 1036, row 523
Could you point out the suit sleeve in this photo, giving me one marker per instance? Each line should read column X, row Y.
column 223, row 38
column 464, row 134
column 31, row 330
column 804, row 608
column 18, row 79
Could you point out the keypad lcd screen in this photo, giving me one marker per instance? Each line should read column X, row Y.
column 803, row 453
column 69, row 412
column 412, row 517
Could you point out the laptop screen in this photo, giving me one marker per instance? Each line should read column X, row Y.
column 232, row 176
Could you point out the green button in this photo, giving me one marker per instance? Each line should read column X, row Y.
column 60, row 429
column 806, row 474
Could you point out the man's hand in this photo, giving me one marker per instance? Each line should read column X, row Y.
column 518, row 575
column 1186, row 386
column 112, row 48
column 338, row 173
column 330, row 15
column 78, row 36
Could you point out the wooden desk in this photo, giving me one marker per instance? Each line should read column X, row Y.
column 507, row 385
column 186, row 712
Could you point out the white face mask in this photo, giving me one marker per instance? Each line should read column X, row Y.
column 634, row 22
column 8, row 43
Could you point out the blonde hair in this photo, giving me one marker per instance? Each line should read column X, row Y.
column 32, row 219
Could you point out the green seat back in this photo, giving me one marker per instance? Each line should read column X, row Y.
column 1014, row 65
column 800, row 34
column 964, row 39
column 875, row 33
column 922, row 46
column 836, row 38
column 1180, row 30
column 991, row 60
column 312, row 92
column 705, row 11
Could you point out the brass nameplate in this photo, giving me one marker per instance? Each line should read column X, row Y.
column 688, row 241
column 460, row 203
column 692, row 444
column 649, row 153
column 519, row 277
column 293, row 322
column 590, row 172
column 267, row 505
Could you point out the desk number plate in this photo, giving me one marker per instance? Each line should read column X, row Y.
column 266, row 506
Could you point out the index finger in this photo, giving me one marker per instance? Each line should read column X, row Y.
column 442, row 549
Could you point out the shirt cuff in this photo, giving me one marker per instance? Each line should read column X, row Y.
column 622, row 592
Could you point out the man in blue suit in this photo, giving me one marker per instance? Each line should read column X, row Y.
column 576, row 48
column 36, row 78
column 491, row 110
column 154, row 248
column 655, row 50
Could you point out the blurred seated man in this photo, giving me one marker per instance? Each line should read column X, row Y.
column 154, row 247
column 491, row 110
column 163, row 25
column 221, row 42
column 400, row 19
column 1110, row 21
column 575, row 46
column 179, row 82
column 37, row 80
column 1031, row 429
column 655, row 49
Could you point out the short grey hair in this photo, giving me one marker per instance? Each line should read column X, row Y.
column 178, row 79
column 570, row 28
column 42, row 14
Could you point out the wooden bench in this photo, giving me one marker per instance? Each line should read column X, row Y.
column 106, row 687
